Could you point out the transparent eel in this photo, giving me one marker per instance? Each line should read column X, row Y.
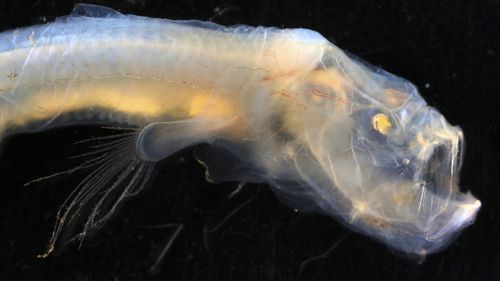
column 327, row 132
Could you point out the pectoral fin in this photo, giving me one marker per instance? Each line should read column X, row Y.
column 161, row 139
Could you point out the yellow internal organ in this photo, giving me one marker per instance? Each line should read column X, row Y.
column 209, row 106
column 330, row 78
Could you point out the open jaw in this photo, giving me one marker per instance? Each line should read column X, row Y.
column 441, row 177
column 417, row 211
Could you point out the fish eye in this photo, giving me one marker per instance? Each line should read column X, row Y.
column 381, row 123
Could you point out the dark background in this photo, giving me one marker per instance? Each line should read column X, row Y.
column 447, row 48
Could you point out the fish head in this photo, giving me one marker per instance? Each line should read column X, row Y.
column 409, row 158
column 383, row 160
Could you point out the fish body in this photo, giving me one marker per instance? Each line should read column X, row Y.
column 327, row 132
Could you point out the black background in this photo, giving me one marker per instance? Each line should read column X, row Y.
column 447, row 48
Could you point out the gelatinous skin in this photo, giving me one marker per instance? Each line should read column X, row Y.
column 283, row 106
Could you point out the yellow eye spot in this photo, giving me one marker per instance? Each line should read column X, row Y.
column 381, row 123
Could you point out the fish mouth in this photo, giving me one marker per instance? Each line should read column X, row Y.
column 442, row 168
column 439, row 171
column 441, row 178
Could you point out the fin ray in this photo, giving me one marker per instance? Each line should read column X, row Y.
column 118, row 174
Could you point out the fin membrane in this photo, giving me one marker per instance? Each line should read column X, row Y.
column 161, row 139
column 93, row 11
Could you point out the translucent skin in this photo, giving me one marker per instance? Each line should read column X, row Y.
column 327, row 132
